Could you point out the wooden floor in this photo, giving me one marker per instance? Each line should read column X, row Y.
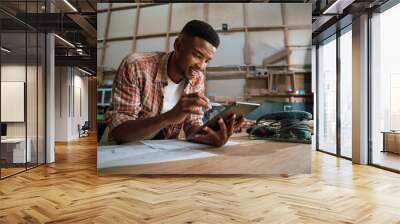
column 70, row 191
column 10, row 171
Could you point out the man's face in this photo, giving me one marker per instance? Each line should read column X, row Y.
column 193, row 55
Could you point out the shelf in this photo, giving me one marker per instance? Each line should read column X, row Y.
column 280, row 73
column 225, row 75
column 244, row 67
column 242, row 74
column 281, row 95
column 258, row 77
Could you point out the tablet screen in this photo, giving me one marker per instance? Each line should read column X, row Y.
column 238, row 108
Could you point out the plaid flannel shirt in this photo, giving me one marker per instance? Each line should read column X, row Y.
column 138, row 92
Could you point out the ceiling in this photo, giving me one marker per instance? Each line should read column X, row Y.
column 73, row 20
column 76, row 22
column 328, row 15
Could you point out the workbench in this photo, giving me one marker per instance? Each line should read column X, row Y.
column 256, row 157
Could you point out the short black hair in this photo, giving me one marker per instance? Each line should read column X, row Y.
column 203, row 30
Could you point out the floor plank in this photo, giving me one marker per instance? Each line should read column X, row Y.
column 69, row 191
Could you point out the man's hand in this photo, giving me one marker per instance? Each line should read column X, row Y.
column 188, row 104
column 220, row 137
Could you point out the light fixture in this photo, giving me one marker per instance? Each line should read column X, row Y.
column 337, row 7
column 86, row 72
column 64, row 40
column 70, row 5
column 5, row 50
column 80, row 51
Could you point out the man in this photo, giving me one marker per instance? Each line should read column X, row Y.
column 155, row 95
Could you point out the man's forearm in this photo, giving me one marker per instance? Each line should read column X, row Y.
column 135, row 130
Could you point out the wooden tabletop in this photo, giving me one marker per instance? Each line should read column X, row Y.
column 257, row 157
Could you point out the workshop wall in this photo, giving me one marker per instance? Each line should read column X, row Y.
column 265, row 25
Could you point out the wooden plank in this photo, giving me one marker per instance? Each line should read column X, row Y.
column 206, row 12
column 245, row 68
column 205, row 17
column 142, row 36
column 143, row 5
column 301, row 47
column 246, row 49
column 167, row 40
column 292, row 82
column 270, row 82
column 285, row 31
column 226, row 75
column 103, row 54
column 281, row 95
column 291, row 65
column 105, row 36
column 231, row 30
column 135, row 34
column 278, row 56
column 258, row 77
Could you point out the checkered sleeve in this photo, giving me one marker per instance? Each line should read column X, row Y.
column 126, row 101
column 194, row 120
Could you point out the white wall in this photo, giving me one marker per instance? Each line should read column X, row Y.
column 17, row 73
column 263, row 44
column 70, row 84
column 231, row 50
column 33, row 126
column 14, row 73
column 236, row 87
column 61, row 103
column 80, row 103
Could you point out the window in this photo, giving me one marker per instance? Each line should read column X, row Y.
column 346, row 93
column 385, row 87
column 23, row 77
column 327, row 96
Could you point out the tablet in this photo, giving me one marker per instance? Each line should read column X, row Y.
column 238, row 108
